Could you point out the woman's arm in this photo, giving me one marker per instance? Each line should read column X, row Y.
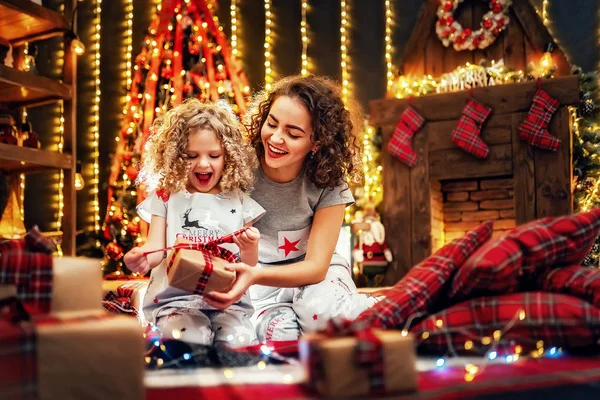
column 322, row 240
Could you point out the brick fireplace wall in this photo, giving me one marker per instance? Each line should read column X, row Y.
column 461, row 205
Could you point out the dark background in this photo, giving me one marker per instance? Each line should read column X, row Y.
column 574, row 24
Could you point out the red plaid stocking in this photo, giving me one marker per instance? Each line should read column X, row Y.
column 400, row 144
column 535, row 127
column 467, row 132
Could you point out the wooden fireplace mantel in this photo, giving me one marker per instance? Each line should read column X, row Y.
column 542, row 179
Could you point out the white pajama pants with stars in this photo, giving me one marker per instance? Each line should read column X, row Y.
column 197, row 325
column 285, row 313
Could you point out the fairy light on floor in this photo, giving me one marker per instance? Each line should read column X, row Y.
column 234, row 28
column 388, row 43
column 304, row 35
column 268, row 45
column 96, row 113
column 491, row 343
column 344, row 50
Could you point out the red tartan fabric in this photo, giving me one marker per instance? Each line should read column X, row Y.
column 556, row 319
column 18, row 361
column 467, row 133
column 534, row 129
column 512, row 262
column 400, row 145
column 416, row 294
column 27, row 264
column 582, row 282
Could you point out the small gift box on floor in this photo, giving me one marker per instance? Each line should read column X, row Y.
column 200, row 268
column 370, row 362
column 124, row 296
column 46, row 283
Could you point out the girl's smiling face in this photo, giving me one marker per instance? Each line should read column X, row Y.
column 206, row 159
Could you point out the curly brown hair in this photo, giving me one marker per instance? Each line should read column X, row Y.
column 336, row 127
column 165, row 164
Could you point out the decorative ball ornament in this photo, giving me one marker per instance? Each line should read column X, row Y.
column 451, row 32
column 114, row 251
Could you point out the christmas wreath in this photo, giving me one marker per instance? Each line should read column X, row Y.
column 451, row 32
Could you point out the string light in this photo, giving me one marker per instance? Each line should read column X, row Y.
column 304, row 35
column 545, row 12
column 128, row 41
column 96, row 113
column 388, row 43
column 344, row 49
column 22, row 182
column 234, row 28
column 61, row 175
column 268, row 46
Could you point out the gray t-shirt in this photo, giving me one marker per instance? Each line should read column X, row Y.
column 290, row 207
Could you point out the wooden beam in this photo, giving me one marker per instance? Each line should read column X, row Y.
column 503, row 99
column 412, row 61
column 554, row 171
column 538, row 34
column 456, row 164
column 397, row 212
column 420, row 202
column 523, row 173
column 496, row 130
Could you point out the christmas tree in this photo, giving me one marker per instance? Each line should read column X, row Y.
column 185, row 54
column 586, row 153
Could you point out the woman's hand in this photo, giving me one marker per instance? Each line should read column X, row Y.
column 245, row 277
column 137, row 261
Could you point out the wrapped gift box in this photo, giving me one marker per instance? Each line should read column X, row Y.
column 89, row 355
column 125, row 296
column 188, row 270
column 337, row 371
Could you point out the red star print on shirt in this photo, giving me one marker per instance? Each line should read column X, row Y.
column 315, row 317
column 288, row 246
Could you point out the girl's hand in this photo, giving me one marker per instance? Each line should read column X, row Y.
column 245, row 277
column 136, row 261
column 247, row 239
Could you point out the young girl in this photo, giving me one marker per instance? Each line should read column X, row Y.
column 307, row 143
column 197, row 166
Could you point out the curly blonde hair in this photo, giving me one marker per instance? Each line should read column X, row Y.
column 165, row 164
column 336, row 127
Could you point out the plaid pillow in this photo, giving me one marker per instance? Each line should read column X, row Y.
column 582, row 282
column 509, row 264
column 24, row 264
column 415, row 294
column 468, row 327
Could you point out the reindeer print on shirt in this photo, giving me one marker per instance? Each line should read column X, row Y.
column 198, row 229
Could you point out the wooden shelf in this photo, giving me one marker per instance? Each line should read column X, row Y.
column 16, row 159
column 24, row 21
column 25, row 89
